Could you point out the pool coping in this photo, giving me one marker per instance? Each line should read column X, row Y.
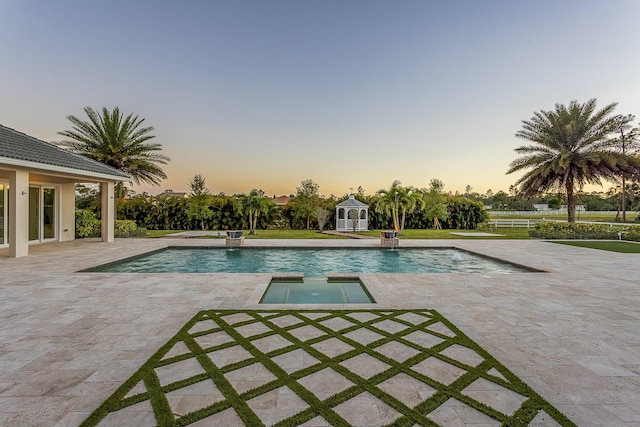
column 571, row 333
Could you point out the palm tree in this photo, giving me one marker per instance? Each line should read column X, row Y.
column 254, row 204
column 398, row 200
column 389, row 203
column 117, row 141
column 571, row 146
column 627, row 143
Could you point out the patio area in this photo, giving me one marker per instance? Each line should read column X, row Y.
column 70, row 340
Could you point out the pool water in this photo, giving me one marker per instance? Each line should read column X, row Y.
column 316, row 291
column 311, row 262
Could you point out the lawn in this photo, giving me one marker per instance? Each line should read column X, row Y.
column 507, row 233
column 606, row 245
column 260, row 234
column 580, row 216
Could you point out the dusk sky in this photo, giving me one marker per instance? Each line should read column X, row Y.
column 264, row 94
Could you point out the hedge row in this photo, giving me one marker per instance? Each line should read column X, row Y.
column 573, row 230
column 87, row 225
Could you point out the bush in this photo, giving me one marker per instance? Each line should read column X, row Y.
column 87, row 225
column 128, row 228
column 572, row 230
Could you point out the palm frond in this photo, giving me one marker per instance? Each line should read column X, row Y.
column 118, row 141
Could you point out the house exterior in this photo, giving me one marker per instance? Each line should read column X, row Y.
column 171, row 193
column 37, row 191
column 281, row 200
column 352, row 215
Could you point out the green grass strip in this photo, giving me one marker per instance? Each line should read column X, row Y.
column 607, row 245
column 373, row 321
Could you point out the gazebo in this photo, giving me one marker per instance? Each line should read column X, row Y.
column 352, row 215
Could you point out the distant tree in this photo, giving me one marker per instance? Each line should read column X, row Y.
column 87, row 197
column 628, row 143
column 306, row 201
column 322, row 215
column 555, row 202
column 500, row 201
column 570, row 147
column 398, row 201
column 253, row 205
column 435, row 203
column 465, row 213
column 200, row 200
column 118, row 141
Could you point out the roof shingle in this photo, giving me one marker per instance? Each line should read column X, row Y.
column 20, row 146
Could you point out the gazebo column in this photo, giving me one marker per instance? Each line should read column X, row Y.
column 107, row 192
column 18, row 213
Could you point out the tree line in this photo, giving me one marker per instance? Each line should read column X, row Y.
column 567, row 148
column 398, row 207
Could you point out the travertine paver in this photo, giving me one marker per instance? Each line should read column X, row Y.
column 456, row 414
column 494, row 395
column 276, row 405
column 289, row 385
column 193, row 397
column 367, row 410
column 407, row 389
column 365, row 365
column 325, row 383
column 439, row 370
column 570, row 333
column 294, row 360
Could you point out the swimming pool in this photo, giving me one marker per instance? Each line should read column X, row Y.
column 312, row 262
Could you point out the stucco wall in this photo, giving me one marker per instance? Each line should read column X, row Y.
column 68, row 212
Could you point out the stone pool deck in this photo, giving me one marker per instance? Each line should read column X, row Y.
column 68, row 340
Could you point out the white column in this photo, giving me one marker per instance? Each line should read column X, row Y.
column 18, row 214
column 67, row 212
column 107, row 194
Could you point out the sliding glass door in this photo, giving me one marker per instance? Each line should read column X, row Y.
column 42, row 213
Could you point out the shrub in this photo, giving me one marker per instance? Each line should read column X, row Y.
column 128, row 228
column 573, row 230
column 87, row 225
column 464, row 213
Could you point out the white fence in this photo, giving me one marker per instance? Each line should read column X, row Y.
column 511, row 223
column 553, row 212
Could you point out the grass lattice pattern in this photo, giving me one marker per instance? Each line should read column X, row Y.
column 322, row 367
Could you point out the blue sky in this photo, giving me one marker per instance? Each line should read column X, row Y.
column 265, row 94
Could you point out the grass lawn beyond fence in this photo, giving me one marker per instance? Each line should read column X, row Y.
column 607, row 245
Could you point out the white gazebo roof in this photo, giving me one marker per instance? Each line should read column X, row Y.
column 352, row 202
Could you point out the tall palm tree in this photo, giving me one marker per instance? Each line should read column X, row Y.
column 570, row 147
column 117, row 141
column 389, row 203
column 398, row 200
column 627, row 143
column 254, row 204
